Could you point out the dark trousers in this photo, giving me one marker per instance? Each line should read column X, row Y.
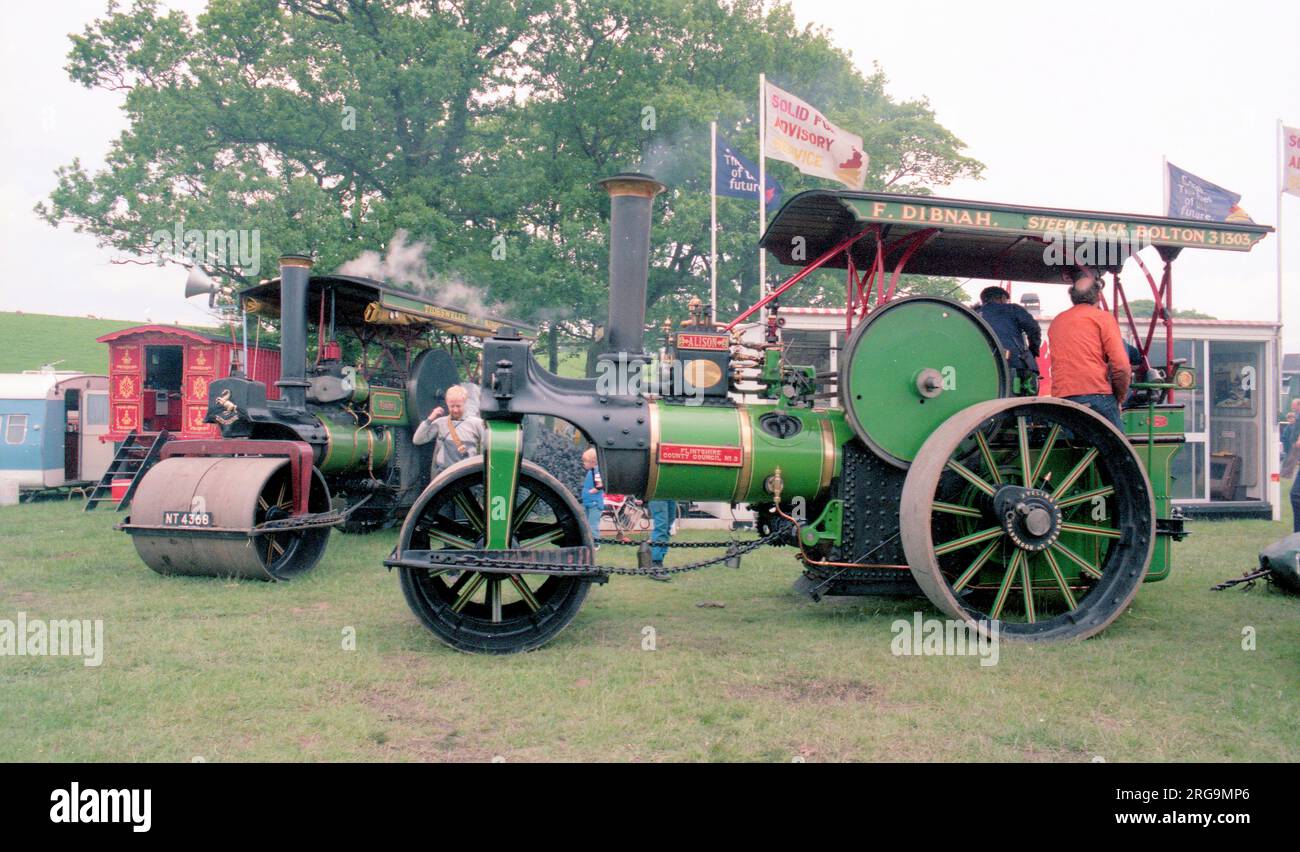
column 1295, row 504
column 1102, row 403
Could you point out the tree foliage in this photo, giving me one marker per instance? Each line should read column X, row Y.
column 480, row 127
column 1145, row 307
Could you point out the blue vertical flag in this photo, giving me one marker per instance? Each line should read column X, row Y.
column 738, row 177
column 1191, row 197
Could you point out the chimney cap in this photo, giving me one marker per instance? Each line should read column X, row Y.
column 303, row 260
column 632, row 183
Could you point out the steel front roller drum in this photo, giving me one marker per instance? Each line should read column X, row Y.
column 913, row 364
column 1035, row 513
column 236, row 494
column 492, row 613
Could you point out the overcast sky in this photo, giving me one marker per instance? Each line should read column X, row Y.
column 1068, row 105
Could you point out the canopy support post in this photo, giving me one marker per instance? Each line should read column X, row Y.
column 1122, row 297
column 913, row 242
column 842, row 246
column 1167, row 284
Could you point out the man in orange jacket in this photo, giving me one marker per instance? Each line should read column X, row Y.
column 1089, row 363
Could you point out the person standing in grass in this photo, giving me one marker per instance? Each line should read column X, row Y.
column 593, row 492
column 662, row 515
column 1289, row 469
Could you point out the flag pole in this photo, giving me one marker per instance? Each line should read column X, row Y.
column 1282, row 178
column 713, row 223
column 762, row 188
column 1164, row 180
column 1281, row 184
column 1275, row 496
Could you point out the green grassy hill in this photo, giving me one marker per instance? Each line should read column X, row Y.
column 27, row 341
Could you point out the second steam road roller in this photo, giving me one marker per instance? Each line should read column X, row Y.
column 930, row 475
column 334, row 451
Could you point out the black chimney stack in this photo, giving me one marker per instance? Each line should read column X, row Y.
column 295, row 270
column 631, row 197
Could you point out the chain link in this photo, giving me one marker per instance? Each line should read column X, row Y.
column 636, row 542
column 468, row 562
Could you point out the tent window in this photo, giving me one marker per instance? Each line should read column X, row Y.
column 16, row 431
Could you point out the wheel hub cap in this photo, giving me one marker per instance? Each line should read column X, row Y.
column 1029, row 516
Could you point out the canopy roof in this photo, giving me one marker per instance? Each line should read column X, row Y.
column 196, row 335
column 362, row 301
column 39, row 384
column 978, row 239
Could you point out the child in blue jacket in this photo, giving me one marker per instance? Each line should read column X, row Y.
column 593, row 492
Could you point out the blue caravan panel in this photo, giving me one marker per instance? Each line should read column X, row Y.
column 51, row 428
column 23, row 452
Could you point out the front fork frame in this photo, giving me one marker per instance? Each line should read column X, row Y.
column 501, row 459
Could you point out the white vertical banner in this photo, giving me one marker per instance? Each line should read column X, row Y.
column 1290, row 159
column 800, row 135
column 713, row 222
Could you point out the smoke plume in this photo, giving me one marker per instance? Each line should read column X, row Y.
column 403, row 262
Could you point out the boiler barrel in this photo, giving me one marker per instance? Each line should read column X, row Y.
column 355, row 449
column 729, row 453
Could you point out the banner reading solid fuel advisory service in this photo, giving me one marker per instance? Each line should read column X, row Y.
column 798, row 134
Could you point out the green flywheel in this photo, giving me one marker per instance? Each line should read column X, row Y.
column 913, row 364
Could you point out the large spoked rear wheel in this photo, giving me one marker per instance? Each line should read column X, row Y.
column 1034, row 513
column 493, row 613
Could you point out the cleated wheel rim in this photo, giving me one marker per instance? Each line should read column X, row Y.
column 488, row 613
column 1035, row 513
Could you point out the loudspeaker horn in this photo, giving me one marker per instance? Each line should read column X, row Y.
column 198, row 283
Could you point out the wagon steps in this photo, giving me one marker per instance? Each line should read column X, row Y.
column 133, row 459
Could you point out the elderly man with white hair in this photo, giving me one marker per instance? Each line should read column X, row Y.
column 458, row 435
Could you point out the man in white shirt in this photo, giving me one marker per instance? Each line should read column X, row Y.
column 458, row 435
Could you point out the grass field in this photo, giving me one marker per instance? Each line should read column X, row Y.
column 227, row 671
